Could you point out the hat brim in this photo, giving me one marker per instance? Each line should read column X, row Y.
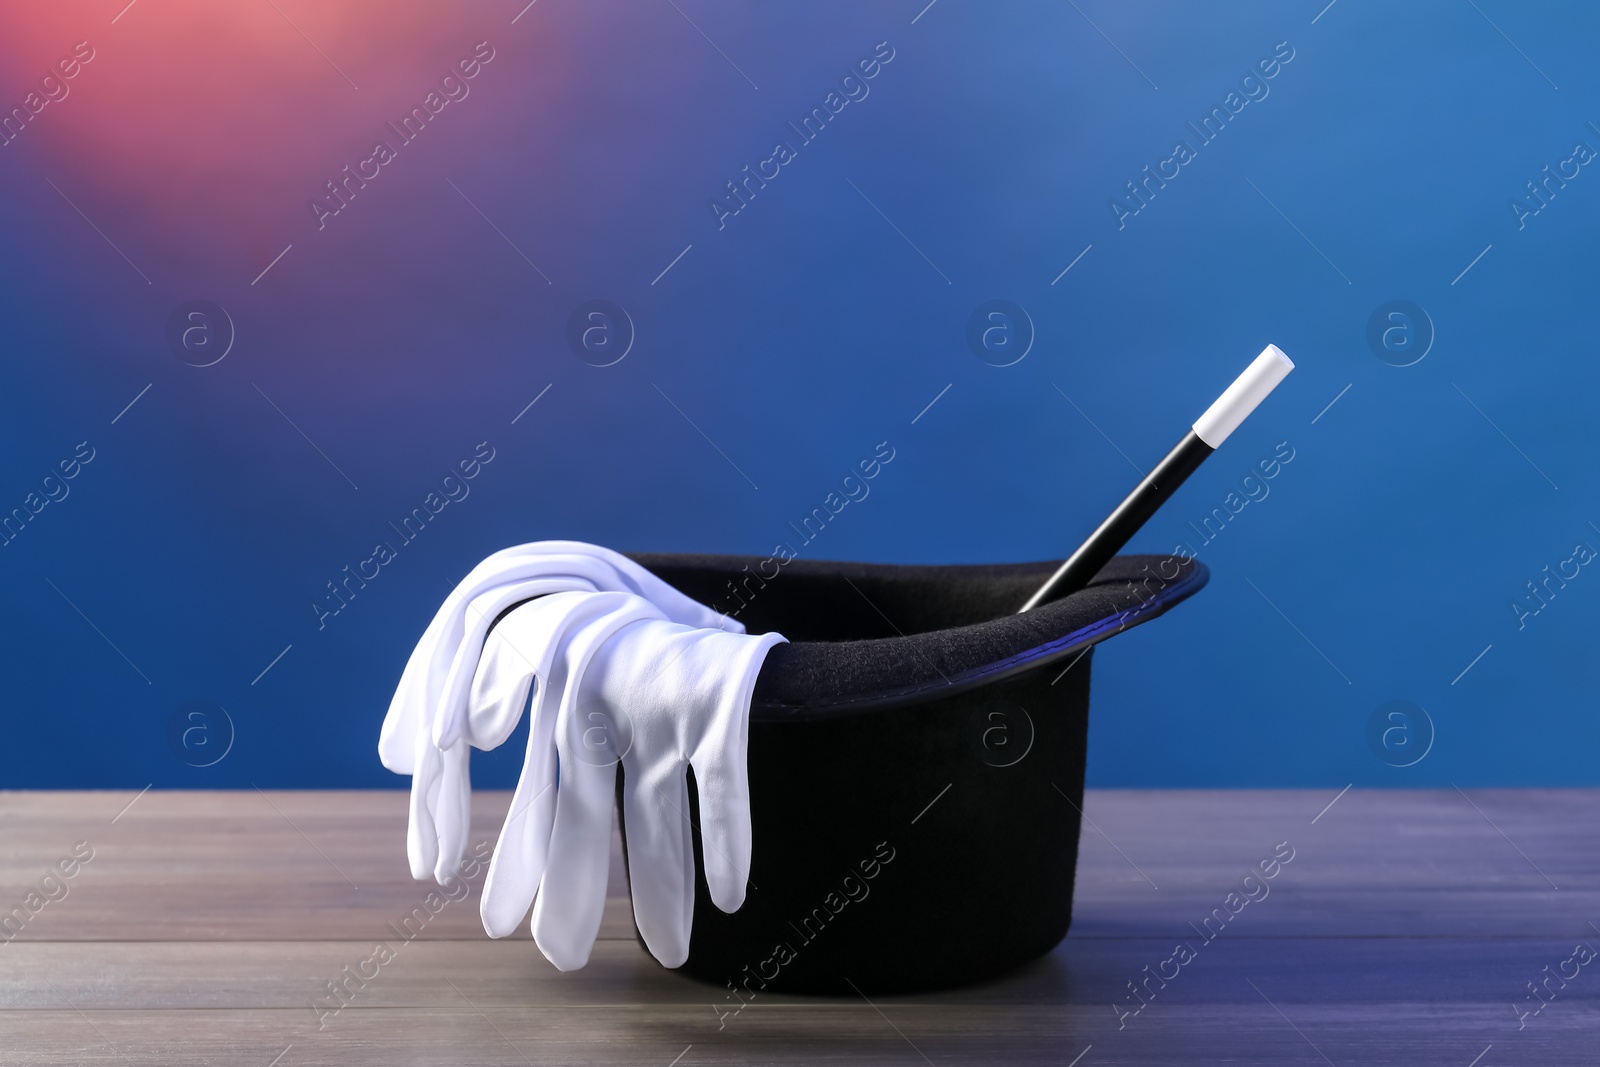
column 869, row 636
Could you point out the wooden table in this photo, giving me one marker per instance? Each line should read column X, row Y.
column 207, row 927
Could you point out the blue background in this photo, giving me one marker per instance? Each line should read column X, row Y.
column 820, row 320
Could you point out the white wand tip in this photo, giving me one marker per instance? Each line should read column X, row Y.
column 1240, row 399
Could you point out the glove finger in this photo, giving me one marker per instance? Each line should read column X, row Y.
column 422, row 838
column 724, row 810
column 453, row 812
column 519, row 856
column 499, row 693
column 722, row 788
column 423, row 682
column 520, row 651
column 452, row 721
column 413, row 700
column 655, row 811
column 722, row 777
column 572, row 895
column 416, row 700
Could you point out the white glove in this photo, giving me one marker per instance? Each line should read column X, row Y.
column 616, row 682
column 421, row 733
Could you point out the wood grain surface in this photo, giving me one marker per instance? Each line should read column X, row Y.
column 207, row 927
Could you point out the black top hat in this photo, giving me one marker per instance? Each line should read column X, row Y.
column 916, row 758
